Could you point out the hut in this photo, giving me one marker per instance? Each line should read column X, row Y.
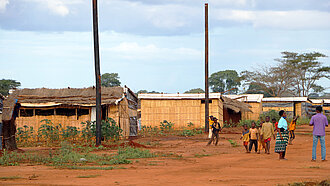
column 233, row 110
column 10, row 112
column 325, row 103
column 294, row 106
column 179, row 109
column 254, row 100
column 72, row 106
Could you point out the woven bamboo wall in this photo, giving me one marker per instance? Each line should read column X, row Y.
column 256, row 111
column 266, row 109
column 124, row 117
column 298, row 109
column 34, row 121
column 179, row 112
column 121, row 115
column 290, row 109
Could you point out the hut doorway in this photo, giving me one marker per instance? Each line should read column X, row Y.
column 104, row 114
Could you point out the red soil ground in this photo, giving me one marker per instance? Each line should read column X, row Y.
column 225, row 165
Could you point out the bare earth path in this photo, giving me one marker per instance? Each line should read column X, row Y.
column 226, row 165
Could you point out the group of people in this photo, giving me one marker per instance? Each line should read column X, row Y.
column 260, row 136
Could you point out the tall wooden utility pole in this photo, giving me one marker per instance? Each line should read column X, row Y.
column 206, row 67
column 97, row 73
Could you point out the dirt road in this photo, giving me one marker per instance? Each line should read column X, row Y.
column 199, row 165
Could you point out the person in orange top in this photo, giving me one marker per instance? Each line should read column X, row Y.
column 292, row 127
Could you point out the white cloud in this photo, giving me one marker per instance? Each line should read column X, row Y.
column 58, row 7
column 3, row 5
column 235, row 3
column 297, row 19
column 133, row 50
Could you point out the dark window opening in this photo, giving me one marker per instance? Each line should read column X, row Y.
column 203, row 101
column 65, row 112
column 44, row 112
column 104, row 113
column 83, row 112
column 27, row 112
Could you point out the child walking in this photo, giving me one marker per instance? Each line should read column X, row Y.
column 267, row 131
column 246, row 137
column 292, row 127
column 254, row 134
column 261, row 143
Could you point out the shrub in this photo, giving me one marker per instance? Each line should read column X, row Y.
column 166, row 126
column 271, row 113
column 247, row 122
column 110, row 129
column 303, row 120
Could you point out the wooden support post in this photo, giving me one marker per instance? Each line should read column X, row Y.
column 97, row 73
column 206, row 69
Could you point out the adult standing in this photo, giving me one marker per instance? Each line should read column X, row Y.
column 319, row 122
column 282, row 136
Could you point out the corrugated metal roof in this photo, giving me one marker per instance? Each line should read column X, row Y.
column 285, row 99
column 247, row 97
column 179, row 96
column 319, row 101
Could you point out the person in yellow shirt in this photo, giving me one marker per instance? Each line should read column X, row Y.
column 210, row 126
column 254, row 135
column 246, row 137
column 292, row 127
column 267, row 132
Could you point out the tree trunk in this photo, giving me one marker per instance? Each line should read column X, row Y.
column 9, row 131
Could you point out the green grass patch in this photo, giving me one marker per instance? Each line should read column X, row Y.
column 10, row 178
column 89, row 176
column 233, row 143
column 201, row 155
column 314, row 167
column 316, row 183
column 90, row 168
column 67, row 156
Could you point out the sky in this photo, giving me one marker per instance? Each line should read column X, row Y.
column 153, row 44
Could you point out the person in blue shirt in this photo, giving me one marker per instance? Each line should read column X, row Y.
column 282, row 136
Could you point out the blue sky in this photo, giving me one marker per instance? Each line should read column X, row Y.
column 153, row 44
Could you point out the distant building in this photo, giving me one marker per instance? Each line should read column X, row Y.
column 179, row 109
column 325, row 103
column 294, row 106
column 254, row 100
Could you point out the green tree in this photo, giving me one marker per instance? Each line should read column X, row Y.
column 141, row 92
column 256, row 89
column 7, row 84
column 307, row 70
column 110, row 80
column 195, row 90
column 145, row 91
column 275, row 81
column 224, row 80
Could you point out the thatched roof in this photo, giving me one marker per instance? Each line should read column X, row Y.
column 235, row 105
column 68, row 96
